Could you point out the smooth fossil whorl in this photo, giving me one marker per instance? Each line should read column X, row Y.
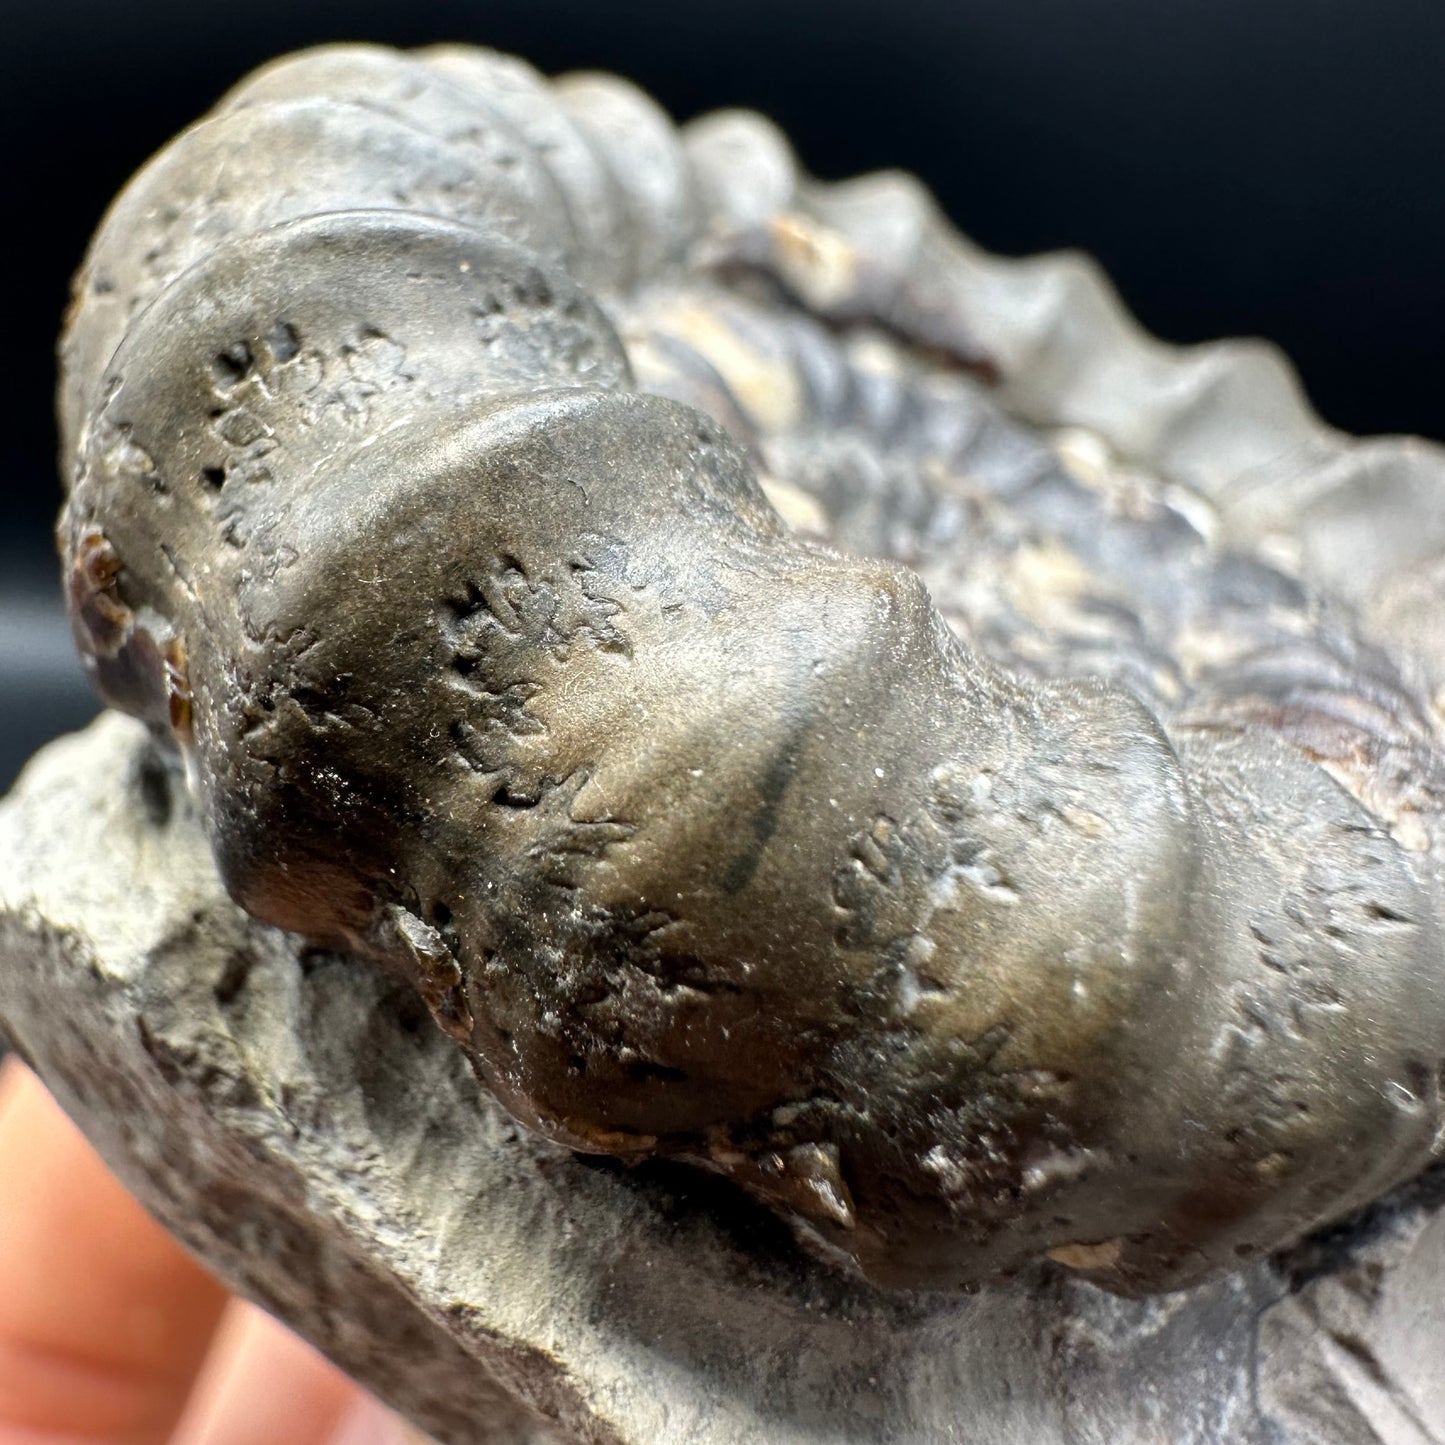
column 415, row 409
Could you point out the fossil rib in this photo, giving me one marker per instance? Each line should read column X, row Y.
column 416, row 408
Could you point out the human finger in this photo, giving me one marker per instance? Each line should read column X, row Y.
column 262, row 1384
column 104, row 1318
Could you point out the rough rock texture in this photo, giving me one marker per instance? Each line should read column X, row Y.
column 301, row 1123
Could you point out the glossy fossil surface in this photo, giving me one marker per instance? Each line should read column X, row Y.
column 609, row 579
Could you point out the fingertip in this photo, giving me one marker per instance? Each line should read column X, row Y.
column 104, row 1319
column 371, row 1423
column 262, row 1384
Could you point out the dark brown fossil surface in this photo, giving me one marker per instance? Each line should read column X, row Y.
column 981, row 796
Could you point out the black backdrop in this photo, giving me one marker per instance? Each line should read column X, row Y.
column 1274, row 167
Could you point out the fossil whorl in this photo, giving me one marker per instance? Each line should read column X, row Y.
column 414, row 409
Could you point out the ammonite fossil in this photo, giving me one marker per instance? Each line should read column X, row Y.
column 525, row 518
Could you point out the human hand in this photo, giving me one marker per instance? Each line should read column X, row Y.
column 111, row 1334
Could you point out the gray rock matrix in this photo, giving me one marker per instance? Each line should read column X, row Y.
column 302, row 1125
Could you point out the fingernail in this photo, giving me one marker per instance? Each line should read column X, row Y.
column 368, row 1423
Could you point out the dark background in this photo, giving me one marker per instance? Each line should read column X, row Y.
column 1274, row 167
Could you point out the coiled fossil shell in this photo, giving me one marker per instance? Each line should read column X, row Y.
column 416, row 410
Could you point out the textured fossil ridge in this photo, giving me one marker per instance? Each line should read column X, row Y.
column 794, row 694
